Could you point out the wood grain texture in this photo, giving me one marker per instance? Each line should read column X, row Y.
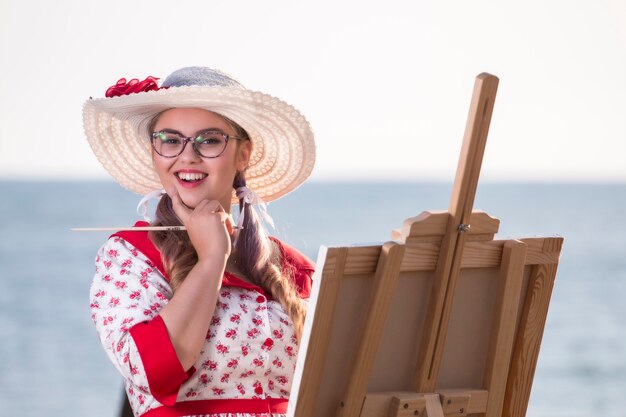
column 473, row 148
column 423, row 256
column 452, row 244
column 438, row 312
column 478, row 398
column 503, row 329
column 362, row 259
column 317, row 339
column 430, row 226
column 406, row 403
column 528, row 341
column 384, row 286
column 384, row 404
column 406, row 406
column 455, row 405
column 433, row 405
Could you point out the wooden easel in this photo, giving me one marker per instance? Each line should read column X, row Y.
column 442, row 321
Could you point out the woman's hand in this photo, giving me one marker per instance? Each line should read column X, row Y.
column 209, row 227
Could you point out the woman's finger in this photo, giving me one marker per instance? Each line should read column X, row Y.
column 228, row 221
column 215, row 207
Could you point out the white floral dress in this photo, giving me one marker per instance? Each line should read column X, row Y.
column 247, row 363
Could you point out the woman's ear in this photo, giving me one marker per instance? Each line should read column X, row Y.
column 243, row 155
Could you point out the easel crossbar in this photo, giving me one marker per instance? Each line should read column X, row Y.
column 448, row 403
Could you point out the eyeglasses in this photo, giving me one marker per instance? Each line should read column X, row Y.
column 207, row 144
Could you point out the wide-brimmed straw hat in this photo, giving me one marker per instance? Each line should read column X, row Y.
column 117, row 129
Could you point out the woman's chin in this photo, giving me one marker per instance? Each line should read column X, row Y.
column 191, row 199
column 191, row 202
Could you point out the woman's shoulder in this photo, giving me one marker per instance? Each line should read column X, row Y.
column 136, row 238
column 139, row 241
column 301, row 267
column 294, row 257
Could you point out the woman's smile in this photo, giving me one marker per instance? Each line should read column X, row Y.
column 190, row 178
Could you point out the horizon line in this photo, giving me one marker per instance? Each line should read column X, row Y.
column 354, row 180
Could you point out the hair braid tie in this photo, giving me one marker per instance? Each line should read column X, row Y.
column 253, row 199
column 142, row 207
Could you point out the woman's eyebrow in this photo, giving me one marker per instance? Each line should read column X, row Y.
column 167, row 130
column 207, row 129
column 210, row 129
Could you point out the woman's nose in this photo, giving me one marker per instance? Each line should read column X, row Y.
column 189, row 153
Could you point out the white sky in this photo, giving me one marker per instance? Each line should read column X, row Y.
column 386, row 85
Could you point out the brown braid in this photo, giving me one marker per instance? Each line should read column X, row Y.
column 258, row 259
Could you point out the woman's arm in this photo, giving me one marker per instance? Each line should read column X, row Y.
column 188, row 314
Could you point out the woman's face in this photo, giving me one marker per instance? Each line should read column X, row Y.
column 196, row 178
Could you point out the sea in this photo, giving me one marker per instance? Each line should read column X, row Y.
column 51, row 362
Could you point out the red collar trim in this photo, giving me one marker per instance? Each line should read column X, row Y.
column 301, row 266
column 141, row 241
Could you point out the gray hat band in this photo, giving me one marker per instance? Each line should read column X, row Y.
column 201, row 76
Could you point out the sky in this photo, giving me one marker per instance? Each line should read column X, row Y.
column 386, row 85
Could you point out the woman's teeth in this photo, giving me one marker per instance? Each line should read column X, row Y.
column 191, row 176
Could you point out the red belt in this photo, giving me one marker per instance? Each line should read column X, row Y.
column 251, row 406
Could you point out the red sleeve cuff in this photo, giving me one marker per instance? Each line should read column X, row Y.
column 164, row 371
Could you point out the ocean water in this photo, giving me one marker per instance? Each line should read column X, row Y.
column 52, row 364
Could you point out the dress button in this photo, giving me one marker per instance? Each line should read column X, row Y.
column 258, row 390
column 260, row 299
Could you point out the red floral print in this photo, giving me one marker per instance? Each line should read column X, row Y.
column 204, row 378
column 249, row 351
column 245, row 350
column 210, row 365
column 278, row 333
column 222, row 349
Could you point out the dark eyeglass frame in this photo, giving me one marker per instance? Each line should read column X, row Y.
column 192, row 139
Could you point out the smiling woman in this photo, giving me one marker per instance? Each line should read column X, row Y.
column 204, row 322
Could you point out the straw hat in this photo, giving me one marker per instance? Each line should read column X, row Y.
column 117, row 129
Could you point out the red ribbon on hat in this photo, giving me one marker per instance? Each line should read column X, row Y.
column 122, row 88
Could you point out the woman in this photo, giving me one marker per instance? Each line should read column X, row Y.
column 204, row 321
